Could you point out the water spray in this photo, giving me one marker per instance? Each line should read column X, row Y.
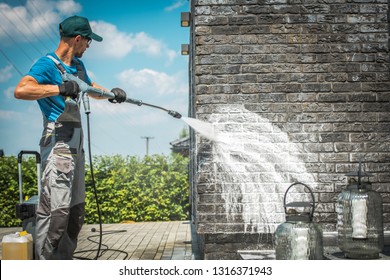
column 97, row 92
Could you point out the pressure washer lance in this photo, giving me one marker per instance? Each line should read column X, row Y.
column 85, row 88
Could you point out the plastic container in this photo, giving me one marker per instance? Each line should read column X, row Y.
column 17, row 246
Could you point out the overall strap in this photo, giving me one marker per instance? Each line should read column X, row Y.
column 71, row 113
column 58, row 64
column 80, row 72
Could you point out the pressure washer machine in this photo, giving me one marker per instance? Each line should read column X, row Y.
column 26, row 208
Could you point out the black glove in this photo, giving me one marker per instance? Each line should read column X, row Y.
column 69, row 88
column 120, row 95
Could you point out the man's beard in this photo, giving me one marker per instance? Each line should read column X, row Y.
column 79, row 55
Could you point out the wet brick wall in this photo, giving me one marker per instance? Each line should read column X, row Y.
column 318, row 70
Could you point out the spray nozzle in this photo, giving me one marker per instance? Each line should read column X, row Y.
column 174, row 114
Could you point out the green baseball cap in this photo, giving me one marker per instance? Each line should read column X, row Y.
column 76, row 25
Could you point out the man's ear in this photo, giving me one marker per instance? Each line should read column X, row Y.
column 78, row 38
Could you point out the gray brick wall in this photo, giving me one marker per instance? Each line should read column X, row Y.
column 316, row 70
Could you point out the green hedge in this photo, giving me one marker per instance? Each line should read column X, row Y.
column 154, row 188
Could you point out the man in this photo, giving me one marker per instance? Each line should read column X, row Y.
column 60, row 213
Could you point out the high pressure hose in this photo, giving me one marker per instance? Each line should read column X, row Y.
column 87, row 110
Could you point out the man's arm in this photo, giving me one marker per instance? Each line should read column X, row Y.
column 120, row 95
column 100, row 87
column 29, row 89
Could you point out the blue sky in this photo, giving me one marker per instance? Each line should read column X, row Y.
column 140, row 53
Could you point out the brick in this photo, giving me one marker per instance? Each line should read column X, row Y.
column 346, row 87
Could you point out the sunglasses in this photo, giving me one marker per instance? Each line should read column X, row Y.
column 89, row 40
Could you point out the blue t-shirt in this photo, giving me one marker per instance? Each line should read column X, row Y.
column 46, row 72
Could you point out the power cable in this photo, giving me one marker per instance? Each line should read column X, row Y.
column 13, row 40
column 10, row 61
column 28, row 28
column 43, row 28
column 37, row 11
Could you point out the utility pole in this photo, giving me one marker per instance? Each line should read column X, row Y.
column 147, row 143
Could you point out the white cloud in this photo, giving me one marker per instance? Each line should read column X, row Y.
column 106, row 108
column 175, row 5
column 40, row 18
column 171, row 55
column 10, row 115
column 106, row 114
column 115, row 44
column 149, row 86
column 68, row 7
column 5, row 73
column 9, row 92
column 118, row 44
column 151, row 82
column 37, row 18
column 145, row 43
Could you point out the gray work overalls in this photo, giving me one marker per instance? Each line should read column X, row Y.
column 60, row 214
